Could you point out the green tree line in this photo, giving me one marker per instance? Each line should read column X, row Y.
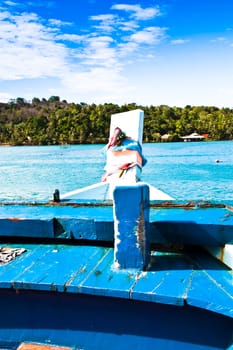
column 52, row 121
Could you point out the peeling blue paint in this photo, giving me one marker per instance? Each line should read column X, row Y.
column 185, row 287
column 132, row 236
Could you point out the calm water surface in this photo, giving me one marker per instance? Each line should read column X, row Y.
column 183, row 170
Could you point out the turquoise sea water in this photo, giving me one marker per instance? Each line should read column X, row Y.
column 186, row 171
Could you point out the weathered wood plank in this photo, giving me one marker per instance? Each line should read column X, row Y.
column 166, row 280
column 108, row 281
column 57, row 267
column 89, row 261
column 10, row 273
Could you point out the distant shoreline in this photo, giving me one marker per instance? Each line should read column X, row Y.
column 100, row 143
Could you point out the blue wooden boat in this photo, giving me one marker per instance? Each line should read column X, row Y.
column 117, row 265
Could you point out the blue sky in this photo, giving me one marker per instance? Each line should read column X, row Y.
column 150, row 52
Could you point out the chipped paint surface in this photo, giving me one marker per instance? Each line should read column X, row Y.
column 211, row 226
column 171, row 278
column 73, row 259
column 131, row 229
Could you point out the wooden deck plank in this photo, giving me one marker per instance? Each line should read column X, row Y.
column 86, row 267
column 54, row 270
column 216, row 270
column 166, row 281
column 12, row 271
column 172, row 278
column 108, row 281
column 216, row 280
column 210, row 297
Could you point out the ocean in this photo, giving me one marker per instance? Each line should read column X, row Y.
column 184, row 170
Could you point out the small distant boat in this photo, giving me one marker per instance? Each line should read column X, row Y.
column 193, row 137
column 116, row 265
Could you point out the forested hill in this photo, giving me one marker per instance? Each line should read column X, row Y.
column 52, row 121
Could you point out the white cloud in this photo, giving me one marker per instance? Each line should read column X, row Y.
column 28, row 48
column 10, row 3
column 5, row 96
column 98, row 85
column 4, row 15
column 103, row 18
column 107, row 22
column 137, row 11
column 220, row 38
column 179, row 41
column 129, row 26
column 98, row 52
column 127, row 48
column 58, row 23
column 71, row 37
column 81, row 62
column 114, row 24
column 150, row 35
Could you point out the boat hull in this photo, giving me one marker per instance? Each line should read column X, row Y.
column 94, row 322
